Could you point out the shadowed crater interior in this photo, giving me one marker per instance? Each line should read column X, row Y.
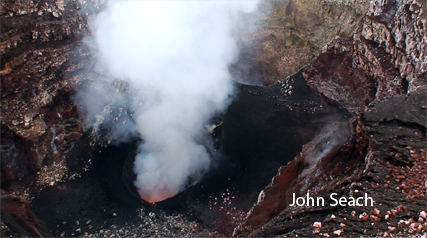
column 261, row 131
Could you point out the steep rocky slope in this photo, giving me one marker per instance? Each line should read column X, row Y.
column 18, row 220
column 42, row 62
column 385, row 57
column 367, row 57
column 43, row 140
column 288, row 34
column 385, row 159
column 378, row 74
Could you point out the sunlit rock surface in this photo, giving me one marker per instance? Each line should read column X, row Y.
column 368, row 57
column 42, row 63
column 384, row 158
column 378, row 74
column 289, row 34
column 385, row 57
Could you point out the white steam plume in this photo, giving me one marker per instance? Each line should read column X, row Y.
column 175, row 57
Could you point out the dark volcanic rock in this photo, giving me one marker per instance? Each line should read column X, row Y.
column 18, row 220
column 333, row 155
column 378, row 74
column 43, row 140
column 332, row 73
column 42, row 62
column 384, row 158
column 288, row 34
column 411, row 108
column 385, row 57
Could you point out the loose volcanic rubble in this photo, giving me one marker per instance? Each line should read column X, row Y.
column 377, row 74
column 153, row 224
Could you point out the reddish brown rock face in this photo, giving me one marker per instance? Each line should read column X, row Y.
column 376, row 69
column 379, row 62
column 334, row 76
column 19, row 219
column 385, row 57
column 43, row 60
column 288, row 34
column 388, row 170
column 377, row 72
column 331, row 149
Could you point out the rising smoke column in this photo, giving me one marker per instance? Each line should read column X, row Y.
column 175, row 57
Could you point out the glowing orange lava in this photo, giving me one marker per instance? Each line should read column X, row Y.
column 157, row 195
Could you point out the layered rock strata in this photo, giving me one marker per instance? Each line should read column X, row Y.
column 378, row 74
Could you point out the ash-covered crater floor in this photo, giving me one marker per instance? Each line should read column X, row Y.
column 264, row 128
